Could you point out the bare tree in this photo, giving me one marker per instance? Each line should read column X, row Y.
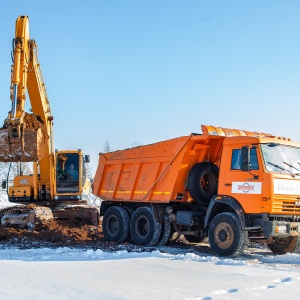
column 10, row 170
column 89, row 172
column 107, row 147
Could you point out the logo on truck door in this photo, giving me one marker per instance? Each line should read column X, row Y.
column 246, row 188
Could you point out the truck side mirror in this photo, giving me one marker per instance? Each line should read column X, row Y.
column 245, row 158
column 87, row 158
column 4, row 184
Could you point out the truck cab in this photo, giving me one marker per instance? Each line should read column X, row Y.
column 261, row 174
column 259, row 190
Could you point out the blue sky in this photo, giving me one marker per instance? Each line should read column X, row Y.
column 137, row 72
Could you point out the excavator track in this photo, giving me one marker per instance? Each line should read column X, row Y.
column 82, row 214
column 29, row 216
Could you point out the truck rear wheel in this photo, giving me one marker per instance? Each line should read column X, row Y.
column 289, row 244
column 115, row 224
column 145, row 230
column 226, row 237
column 165, row 233
column 202, row 182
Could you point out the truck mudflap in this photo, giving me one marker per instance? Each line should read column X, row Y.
column 280, row 228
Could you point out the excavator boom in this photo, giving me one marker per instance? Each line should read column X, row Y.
column 25, row 137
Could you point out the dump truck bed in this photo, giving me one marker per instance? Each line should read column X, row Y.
column 155, row 172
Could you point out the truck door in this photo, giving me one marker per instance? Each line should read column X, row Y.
column 245, row 187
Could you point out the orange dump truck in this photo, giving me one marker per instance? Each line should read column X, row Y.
column 232, row 186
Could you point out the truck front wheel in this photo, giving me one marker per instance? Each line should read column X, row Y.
column 226, row 237
column 289, row 244
column 115, row 224
column 145, row 230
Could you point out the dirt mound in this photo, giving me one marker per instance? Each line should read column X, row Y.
column 55, row 233
column 66, row 233
column 60, row 233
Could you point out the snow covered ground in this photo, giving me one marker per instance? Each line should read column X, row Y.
column 163, row 273
column 65, row 273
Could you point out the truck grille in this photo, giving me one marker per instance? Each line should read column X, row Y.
column 286, row 204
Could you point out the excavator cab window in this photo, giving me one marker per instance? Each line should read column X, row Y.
column 4, row 185
column 67, row 173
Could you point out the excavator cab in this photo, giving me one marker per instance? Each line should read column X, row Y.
column 70, row 172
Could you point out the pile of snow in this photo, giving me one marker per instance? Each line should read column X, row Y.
column 3, row 196
column 4, row 203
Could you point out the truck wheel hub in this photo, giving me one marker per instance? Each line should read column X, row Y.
column 224, row 235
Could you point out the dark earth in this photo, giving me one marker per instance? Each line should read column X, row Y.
column 64, row 233
column 68, row 233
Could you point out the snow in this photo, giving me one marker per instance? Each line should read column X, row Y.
column 4, row 203
column 65, row 273
column 162, row 273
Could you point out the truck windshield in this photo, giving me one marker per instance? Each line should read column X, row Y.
column 281, row 158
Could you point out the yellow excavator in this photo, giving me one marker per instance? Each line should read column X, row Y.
column 59, row 186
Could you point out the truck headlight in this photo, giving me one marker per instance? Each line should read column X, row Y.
column 281, row 229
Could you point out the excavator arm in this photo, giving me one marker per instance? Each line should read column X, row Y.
column 26, row 137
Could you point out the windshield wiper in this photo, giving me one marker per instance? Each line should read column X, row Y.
column 283, row 169
column 276, row 166
column 291, row 166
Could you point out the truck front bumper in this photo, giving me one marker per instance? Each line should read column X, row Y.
column 280, row 228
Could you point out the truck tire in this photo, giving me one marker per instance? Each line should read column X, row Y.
column 226, row 237
column 165, row 233
column 145, row 230
column 202, row 182
column 115, row 224
column 290, row 244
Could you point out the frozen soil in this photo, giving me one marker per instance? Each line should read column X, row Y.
column 73, row 235
column 56, row 234
column 70, row 234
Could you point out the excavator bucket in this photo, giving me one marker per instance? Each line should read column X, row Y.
column 26, row 143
